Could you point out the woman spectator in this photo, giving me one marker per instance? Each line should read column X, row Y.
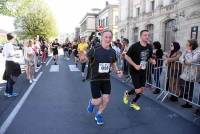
column 43, row 50
column 118, row 52
column 36, row 48
column 125, row 43
column 174, row 70
column 12, row 69
column 190, row 74
column 157, row 55
column 30, row 61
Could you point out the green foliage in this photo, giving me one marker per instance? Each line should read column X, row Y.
column 3, row 39
column 14, row 7
column 38, row 20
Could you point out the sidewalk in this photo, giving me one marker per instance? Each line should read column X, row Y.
column 172, row 106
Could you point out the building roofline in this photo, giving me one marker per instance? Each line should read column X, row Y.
column 108, row 7
column 88, row 14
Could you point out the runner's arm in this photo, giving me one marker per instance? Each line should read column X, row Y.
column 114, row 67
column 130, row 61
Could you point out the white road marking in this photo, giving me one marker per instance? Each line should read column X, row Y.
column 2, row 88
column 15, row 111
column 73, row 68
column 49, row 61
column 54, row 68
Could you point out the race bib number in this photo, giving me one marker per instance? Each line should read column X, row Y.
column 143, row 65
column 104, row 67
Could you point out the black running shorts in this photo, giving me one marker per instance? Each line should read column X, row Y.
column 138, row 79
column 99, row 88
column 55, row 52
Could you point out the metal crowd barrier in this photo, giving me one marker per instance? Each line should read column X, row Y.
column 175, row 79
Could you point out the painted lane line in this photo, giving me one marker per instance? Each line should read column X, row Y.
column 73, row 68
column 15, row 111
column 54, row 68
column 49, row 61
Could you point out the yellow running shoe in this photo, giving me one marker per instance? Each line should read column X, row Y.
column 135, row 106
column 125, row 98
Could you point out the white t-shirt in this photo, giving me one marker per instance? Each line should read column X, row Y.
column 9, row 52
column 28, row 50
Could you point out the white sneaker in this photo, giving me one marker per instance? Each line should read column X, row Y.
column 6, row 94
column 30, row 81
column 44, row 62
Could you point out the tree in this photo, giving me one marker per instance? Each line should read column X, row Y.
column 38, row 20
column 14, row 7
column 2, row 39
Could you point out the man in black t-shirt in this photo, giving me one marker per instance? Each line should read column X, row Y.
column 55, row 46
column 69, row 47
column 138, row 56
column 65, row 49
column 101, row 59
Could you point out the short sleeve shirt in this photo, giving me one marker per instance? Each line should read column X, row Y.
column 102, row 59
column 139, row 54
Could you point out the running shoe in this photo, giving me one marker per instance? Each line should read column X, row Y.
column 125, row 98
column 135, row 106
column 12, row 95
column 90, row 107
column 6, row 94
column 30, row 81
column 99, row 119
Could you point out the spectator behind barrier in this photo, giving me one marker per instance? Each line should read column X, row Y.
column 174, row 70
column 190, row 73
column 157, row 55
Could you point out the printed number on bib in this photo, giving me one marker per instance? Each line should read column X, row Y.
column 104, row 67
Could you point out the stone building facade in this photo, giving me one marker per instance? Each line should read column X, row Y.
column 108, row 18
column 167, row 20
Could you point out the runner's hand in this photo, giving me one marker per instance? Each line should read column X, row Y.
column 153, row 61
column 137, row 67
column 119, row 73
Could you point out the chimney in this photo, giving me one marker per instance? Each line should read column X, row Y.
column 107, row 3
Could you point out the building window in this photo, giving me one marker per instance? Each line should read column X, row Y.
column 135, row 34
column 116, row 20
column 116, row 35
column 107, row 23
column 152, row 5
column 150, row 28
column 169, row 33
column 137, row 11
column 102, row 23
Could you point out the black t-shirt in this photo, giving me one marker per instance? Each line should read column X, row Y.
column 101, row 61
column 64, row 47
column 158, row 57
column 139, row 54
column 55, row 46
column 69, row 46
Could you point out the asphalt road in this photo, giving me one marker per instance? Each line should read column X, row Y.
column 57, row 105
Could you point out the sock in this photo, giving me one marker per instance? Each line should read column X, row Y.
column 136, row 98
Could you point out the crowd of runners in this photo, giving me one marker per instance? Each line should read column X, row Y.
column 100, row 56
